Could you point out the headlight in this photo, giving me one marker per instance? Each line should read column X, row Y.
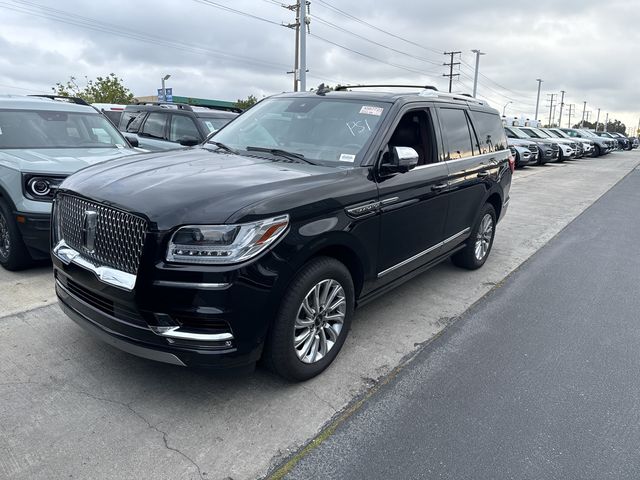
column 41, row 187
column 224, row 244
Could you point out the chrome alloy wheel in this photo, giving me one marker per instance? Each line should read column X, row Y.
column 483, row 238
column 5, row 240
column 319, row 321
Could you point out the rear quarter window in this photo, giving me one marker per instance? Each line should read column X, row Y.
column 490, row 132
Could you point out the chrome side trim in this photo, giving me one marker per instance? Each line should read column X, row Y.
column 197, row 286
column 388, row 201
column 423, row 253
column 363, row 210
column 175, row 332
column 108, row 275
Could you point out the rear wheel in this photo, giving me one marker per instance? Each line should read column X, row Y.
column 313, row 320
column 476, row 252
column 13, row 252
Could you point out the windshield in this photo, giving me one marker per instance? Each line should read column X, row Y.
column 535, row 133
column 213, row 124
column 516, row 133
column 556, row 134
column 51, row 129
column 323, row 129
column 588, row 133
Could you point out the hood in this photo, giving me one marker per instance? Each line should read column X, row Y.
column 198, row 185
column 537, row 140
column 58, row 160
column 519, row 142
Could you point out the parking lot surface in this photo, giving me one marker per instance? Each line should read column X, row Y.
column 537, row 380
column 72, row 407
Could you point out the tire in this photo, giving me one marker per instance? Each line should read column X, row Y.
column 280, row 354
column 468, row 257
column 560, row 156
column 13, row 252
column 597, row 151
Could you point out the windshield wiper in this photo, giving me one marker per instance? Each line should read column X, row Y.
column 222, row 146
column 281, row 153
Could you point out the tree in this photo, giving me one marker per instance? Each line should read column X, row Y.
column 109, row 89
column 612, row 126
column 250, row 101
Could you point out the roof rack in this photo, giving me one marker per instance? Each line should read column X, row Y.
column 463, row 97
column 179, row 106
column 76, row 100
column 424, row 87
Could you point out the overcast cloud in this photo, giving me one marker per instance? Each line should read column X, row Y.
column 585, row 47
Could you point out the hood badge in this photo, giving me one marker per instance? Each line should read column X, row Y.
column 89, row 226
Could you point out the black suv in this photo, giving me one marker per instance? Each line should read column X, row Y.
column 262, row 241
column 165, row 126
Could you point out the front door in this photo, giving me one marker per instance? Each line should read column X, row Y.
column 413, row 205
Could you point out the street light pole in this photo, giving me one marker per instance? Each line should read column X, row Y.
column 606, row 121
column 504, row 109
column 597, row 120
column 539, row 80
column 164, row 91
column 475, row 77
column 584, row 109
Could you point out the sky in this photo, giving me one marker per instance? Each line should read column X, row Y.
column 586, row 48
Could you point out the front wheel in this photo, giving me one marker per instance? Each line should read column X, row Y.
column 479, row 243
column 597, row 152
column 13, row 252
column 313, row 320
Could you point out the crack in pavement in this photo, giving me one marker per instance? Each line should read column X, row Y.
column 122, row 404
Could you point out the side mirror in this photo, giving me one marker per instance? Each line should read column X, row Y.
column 133, row 141
column 188, row 141
column 401, row 160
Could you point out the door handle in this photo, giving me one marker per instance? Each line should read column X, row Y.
column 439, row 187
column 483, row 174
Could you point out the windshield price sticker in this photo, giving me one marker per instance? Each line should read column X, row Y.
column 345, row 157
column 369, row 110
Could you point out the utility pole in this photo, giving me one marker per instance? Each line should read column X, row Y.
column 597, row 120
column 451, row 65
column 552, row 98
column 475, row 77
column 302, row 14
column 588, row 115
column 300, row 25
column 606, row 122
column 584, row 109
column 296, row 25
column 572, row 108
column 539, row 80
column 561, row 107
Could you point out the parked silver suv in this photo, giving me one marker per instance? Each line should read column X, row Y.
column 43, row 139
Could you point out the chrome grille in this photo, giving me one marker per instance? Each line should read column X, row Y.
column 119, row 236
column 533, row 148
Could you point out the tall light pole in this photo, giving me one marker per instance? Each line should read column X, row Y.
column 164, row 91
column 475, row 77
column 539, row 80
column 584, row 109
column 597, row 120
column 606, row 121
column 504, row 109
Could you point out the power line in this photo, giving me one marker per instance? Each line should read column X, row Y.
column 237, row 12
column 359, row 20
column 366, row 55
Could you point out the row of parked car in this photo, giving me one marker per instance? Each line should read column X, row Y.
column 538, row 145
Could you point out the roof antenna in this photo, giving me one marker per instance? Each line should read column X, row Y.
column 322, row 89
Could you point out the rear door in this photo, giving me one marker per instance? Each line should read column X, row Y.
column 472, row 163
column 183, row 126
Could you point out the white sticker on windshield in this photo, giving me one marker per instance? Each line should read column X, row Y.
column 369, row 110
column 346, row 157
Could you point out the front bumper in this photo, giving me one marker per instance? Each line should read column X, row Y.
column 169, row 320
column 34, row 229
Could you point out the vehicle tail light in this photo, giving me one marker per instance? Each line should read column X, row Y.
column 512, row 163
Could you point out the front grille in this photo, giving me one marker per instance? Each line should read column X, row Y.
column 104, row 304
column 574, row 145
column 119, row 236
column 555, row 147
column 533, row 148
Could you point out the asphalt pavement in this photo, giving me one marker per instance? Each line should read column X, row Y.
column 538, row 380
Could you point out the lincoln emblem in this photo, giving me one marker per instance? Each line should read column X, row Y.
column 89, row 230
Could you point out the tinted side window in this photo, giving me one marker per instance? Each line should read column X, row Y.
column 131, row 121
column 182, row 126
column 456, row 127
column 490, row 131
column 154, row 126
